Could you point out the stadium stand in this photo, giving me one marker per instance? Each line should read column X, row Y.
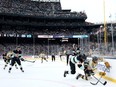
column 41, row 25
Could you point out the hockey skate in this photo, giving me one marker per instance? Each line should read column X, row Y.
column 79, row 75
column 21, row 69
column 9, row 71
column 16, row 67
column 5, row 67
column 65, row 72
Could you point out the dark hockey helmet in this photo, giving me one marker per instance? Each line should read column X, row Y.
column 80, row 58
column 84, row 57
column 94, row 59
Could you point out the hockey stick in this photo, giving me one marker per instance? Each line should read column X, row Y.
column 99, row 80
column 29, row 61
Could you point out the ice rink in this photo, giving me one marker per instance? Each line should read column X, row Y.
column 49, row 74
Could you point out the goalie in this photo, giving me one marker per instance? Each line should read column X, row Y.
column 90, row 68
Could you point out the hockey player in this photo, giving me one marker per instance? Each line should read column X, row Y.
column 4, row 56
column 68, row 53
column 76, row 59
column 43, row 57
column 17, row 56
column 91, row 67
column 7, row 57
column 53, row 57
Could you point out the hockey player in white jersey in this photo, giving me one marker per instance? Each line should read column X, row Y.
column 91, row 67
column 43, row 57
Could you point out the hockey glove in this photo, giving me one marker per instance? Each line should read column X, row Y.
column 22, row 59
column 79, row 65
column 102, row 73
column 107, row 65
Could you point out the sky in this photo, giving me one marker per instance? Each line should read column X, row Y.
column 93, row 8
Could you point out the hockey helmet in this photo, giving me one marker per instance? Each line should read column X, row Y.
column 94, row 59
column 80, row 58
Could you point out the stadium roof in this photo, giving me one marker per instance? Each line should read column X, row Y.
column 47, row 0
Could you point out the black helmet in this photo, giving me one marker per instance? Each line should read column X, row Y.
column 80, row 58
column 94, row 59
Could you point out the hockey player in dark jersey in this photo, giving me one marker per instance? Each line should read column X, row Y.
column 7, row 57
column 16, row 59
column 75, row 60
column 68, row 53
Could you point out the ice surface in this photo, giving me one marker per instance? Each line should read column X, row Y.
column 46, row 74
